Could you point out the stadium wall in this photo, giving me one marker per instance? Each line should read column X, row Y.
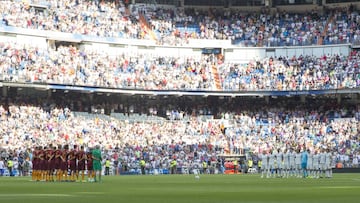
column 342, row 5
column 193, row 48
column 346, row 170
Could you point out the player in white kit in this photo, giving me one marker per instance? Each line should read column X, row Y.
column 298, row 164
column 328, row 171
column 322, row 159
column 271, row 168
column 279, row 163
column 292, row 162
column 264, row 163
column 286, row 161
column 309, row 166
column 316, row 166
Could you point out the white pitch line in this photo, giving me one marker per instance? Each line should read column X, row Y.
column 35, row 195
column 340, row 187
column 90, row 193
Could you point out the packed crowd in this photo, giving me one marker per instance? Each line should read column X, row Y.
column 293, row 73
column 78, row 17
column 70, row 65
column 190, row 142
column 343, row 27
column 176, row 26
column 260, row 29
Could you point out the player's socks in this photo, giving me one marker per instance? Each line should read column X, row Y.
column 38, row 175
column 33, row 175
column 59, row 175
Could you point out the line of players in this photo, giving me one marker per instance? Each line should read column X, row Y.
column 61, row 163
column 298, row 164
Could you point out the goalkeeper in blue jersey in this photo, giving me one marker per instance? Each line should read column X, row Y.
column 304, row 160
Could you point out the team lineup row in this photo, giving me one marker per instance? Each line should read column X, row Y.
column 296, row 163
column 54, row 163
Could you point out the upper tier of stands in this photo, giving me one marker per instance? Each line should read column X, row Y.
column 172, row 26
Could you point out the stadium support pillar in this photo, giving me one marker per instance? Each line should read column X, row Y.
column 338, row 98
column 302, row 99
column 180, row 3
column 91, row 98
column 267, row 99
column 4, row 91
column 268, row 3
column 49, row 94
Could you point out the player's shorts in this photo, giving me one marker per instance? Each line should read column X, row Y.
column 271, row 166
column 316, row 167
column 72, row 165
column 89, row 166
column 57, row 164
column 303, row 165
column 81, row 166
column 287, row 166
column 34, row 165
column 43, row 165
column 309, row 166
column 281, row 166
column 327, row 166
column 63, row 166
column 97, row 165
column 292, row 165
column 51, row 165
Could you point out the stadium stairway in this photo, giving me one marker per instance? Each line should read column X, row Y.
column 324, row 33
column 127, row 11
column 215, row 74
column 146, row 26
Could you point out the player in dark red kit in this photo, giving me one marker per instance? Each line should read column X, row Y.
column 72, row 163
column 64, row 164
column 57, row 161
column 50, row 156
column 81, row 157
column 89, row 166
column 35, row 160
column 42, row 163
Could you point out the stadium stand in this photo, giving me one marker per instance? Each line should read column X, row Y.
column 67, row 91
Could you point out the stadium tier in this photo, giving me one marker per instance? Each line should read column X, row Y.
column 68, row 65
column 173, row 25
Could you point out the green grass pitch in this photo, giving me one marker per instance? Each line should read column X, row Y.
column 343, row 188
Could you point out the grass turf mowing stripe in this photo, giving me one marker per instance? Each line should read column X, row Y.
column 185, row 188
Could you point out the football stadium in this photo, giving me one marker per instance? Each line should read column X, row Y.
column 179, row 101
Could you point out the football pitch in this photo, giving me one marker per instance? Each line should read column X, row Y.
column 344, row 188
